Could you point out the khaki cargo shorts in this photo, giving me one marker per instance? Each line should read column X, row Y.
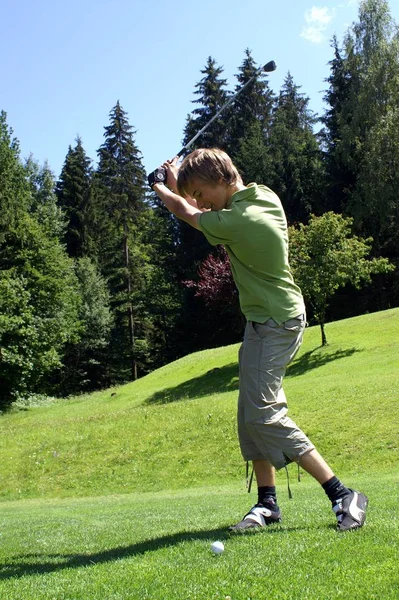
column 264, row 430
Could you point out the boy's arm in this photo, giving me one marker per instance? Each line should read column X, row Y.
column 177, row 205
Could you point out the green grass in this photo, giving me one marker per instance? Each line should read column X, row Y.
column 150, row 546
column 118, row 495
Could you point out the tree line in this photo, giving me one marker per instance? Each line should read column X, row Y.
column 99, row 284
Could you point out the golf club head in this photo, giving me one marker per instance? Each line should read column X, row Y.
column 270, row 66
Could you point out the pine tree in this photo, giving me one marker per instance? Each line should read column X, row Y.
column 297, row 173
column 340, row 174
column 14, row 190
column 211, row 97
column 162, row 292
column 253, row 107
column 118, row 193
column 73, row 193
column 193, row 246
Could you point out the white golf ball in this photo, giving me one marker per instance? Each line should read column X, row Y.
column 217, row 547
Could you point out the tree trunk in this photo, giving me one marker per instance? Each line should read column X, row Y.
column 130, row 309
column 323, row 335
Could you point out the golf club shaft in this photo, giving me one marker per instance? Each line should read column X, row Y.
column 270, row 66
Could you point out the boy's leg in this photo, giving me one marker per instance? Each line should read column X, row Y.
column 348, row 505
column 265, row 512
column 264, row 472
column 265, row 475
column 264, row 430
column 255, row 403
column 256, row 367
column 314, row 464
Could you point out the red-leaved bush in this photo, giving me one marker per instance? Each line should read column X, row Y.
column 215, row 284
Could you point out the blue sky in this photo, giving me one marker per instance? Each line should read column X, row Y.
column 65, row 64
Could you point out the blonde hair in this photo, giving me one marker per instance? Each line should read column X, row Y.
column 208, row 164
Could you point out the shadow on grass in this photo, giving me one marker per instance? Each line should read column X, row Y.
column 317, row 358
column 225, row 379
column 40, row 564
column 220, row 379
column 35, row 563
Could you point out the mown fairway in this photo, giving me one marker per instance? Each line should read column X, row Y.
column 118, row 495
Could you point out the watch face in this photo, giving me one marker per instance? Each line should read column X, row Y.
column 160, row 176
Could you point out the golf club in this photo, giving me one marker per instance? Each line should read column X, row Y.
column 159, row 175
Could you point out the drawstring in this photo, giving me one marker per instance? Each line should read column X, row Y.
column 288, row 479
column 249, row 481
column 288, row 483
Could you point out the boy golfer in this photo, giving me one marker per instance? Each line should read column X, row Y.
column 208, row 193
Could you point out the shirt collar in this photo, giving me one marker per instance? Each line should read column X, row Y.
column 249, row 191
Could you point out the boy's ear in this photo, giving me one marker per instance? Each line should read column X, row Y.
column 191, row 201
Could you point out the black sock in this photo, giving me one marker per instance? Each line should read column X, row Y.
column 267, row 495
column 335, row 489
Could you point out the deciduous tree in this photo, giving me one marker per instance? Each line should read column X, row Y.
column 84, row 360
column 215, row 286
column 325, row 256
column 39, row 301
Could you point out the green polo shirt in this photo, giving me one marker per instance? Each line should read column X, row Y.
column 253, row 229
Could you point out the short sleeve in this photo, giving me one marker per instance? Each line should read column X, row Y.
column 218, row 227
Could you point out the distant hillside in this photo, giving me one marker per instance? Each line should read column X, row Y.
column 177, row 426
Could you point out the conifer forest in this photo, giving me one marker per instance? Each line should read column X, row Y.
column 100, row 285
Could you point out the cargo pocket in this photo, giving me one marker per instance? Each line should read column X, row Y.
column 295, row 325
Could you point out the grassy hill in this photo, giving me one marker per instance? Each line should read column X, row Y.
column 176, row 428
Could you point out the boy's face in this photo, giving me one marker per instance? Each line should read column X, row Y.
column 209, row 195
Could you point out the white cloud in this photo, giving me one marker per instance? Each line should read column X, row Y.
column 318, row 15
column 317, row 19
column 312, row 34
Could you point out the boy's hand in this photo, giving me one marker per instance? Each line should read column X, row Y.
column 172, row 170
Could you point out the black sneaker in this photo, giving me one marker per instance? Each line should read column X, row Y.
column 350, row 511
column 259, row 516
